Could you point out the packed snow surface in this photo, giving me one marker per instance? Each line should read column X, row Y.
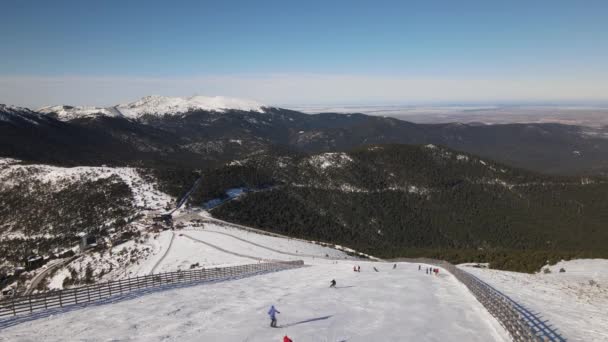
column 575, row 301
column 160, row 105
column 402, row 304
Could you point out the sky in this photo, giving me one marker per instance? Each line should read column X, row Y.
column 304, row 52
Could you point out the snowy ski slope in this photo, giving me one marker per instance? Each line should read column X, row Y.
column 575, row 301
column 402, row 304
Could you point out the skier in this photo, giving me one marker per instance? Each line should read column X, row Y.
column 419, row 268
column 394, row 266
column 273, row 318
column 375, row 269
column 354, row 268
column 333, row 283
column 287, row 339
column 358, row 268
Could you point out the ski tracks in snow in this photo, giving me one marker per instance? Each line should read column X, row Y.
column 164, row 255
column 222, row 249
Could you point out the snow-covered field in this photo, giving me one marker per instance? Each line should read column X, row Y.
column 401, row 304
column 575, row 301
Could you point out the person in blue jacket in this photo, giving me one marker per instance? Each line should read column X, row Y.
column 273, row 318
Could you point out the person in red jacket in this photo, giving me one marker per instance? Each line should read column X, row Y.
column 287, row 339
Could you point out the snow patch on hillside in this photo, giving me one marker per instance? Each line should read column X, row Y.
column 9, row 113
column 145, row 194
column 10, row 109
column 161, row 105
column 330, row 160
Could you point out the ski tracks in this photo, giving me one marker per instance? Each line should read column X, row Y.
column 164, row 255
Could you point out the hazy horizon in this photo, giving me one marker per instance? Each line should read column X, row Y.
column 305, row 53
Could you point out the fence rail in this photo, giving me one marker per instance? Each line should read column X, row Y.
column 521, row 324
column 92, row 293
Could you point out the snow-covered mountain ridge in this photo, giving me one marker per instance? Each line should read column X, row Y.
column 161, row 105
column 67, row 113
column 155, row 105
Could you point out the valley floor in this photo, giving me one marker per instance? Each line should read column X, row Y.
column 402, row 304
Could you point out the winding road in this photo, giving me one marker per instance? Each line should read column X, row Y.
column 50, row 268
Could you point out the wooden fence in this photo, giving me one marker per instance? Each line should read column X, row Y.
column 521, row 324
column 93, row 293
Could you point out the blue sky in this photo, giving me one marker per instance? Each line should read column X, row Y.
column 56, row 48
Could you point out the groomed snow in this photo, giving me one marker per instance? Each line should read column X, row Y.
column 575, row 301
column 160, row 105
column 401, row 304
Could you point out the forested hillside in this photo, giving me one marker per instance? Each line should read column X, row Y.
column 206, row 139
column 44, row 209
column 397, row 200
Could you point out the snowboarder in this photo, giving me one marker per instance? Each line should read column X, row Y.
column 273, row 318
column 394, row 266
column 333, row 283
column 375, row 269
column 287, row 339
column 419, row 268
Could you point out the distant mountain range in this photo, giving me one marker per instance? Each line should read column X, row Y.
column 154, row 105
column 207, row 131
column 382, row 185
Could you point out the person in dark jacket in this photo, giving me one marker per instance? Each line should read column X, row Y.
column 333, row 283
